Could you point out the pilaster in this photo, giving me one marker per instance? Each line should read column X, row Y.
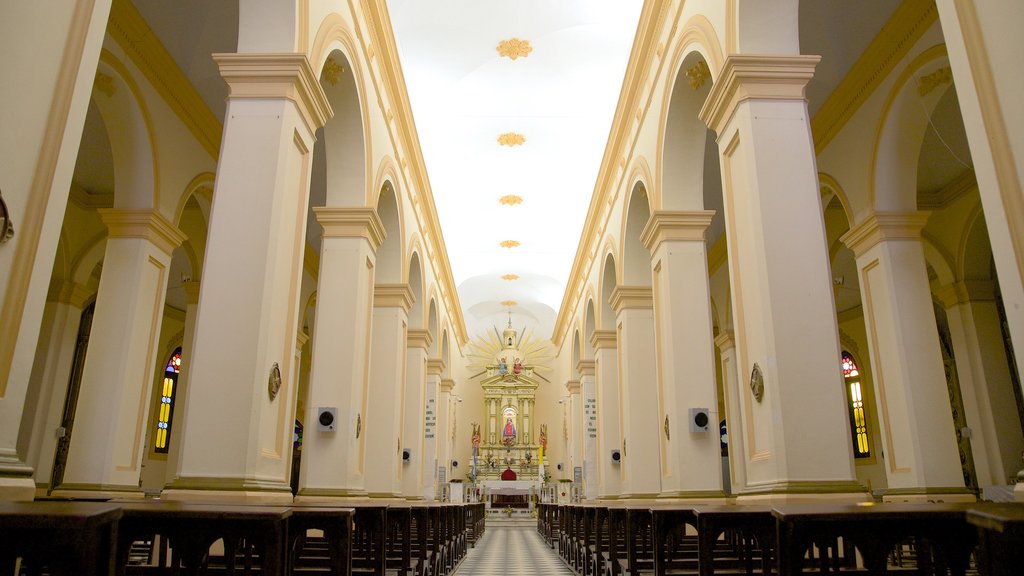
column 608, row 422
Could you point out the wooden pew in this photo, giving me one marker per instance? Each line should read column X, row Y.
column 1001, row 537
column 337, row 524
column 67, row 538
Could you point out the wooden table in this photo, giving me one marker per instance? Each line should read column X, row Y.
column 191, row 527
column 70, row 538
column 1001, row 537
column 875, row 529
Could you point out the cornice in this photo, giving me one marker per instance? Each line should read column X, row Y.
column 288, row 75
column 884, row 226
column 586, row 367
column 351, row 223
column 905, row 27
column 418, row 338
column 632, row 298
column 572, row 386
column 301, row 338
column 725, row 341
column 604, row 339
column 131, row 32
column 749, row 77
column 939, row 199
column 447, row 385
column 675, row 226
column 393, row 296
column 142, row 223
column 435, row 367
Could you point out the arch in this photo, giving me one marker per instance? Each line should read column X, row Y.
column 83, row 264
column 974, row 261
column 765, row 27
column 898, row 137
column 133, row 143
column 939, row 260
column 577, row 352
column 416, row 312
column 445, row 352
column 641, row 174
column 589, row 325
column 387, row 171
column 308, row 315
column 432, row 351
column 389, row 254
column 828, row 182
column 636, row 259
column 343, row 140
column 608, row 284
column 202, row 183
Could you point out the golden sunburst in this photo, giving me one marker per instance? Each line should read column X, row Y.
column 514, row 48
column 510, row 200
column 485, row 347
column 510, row 277
column 509, row 243
column 511, row 139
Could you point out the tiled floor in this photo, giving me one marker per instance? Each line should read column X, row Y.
column 512, row 549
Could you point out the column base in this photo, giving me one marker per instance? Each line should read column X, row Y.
column 329, row 494
column 804, row 491
column 694, row 496
column 97, row 492
column 228, row 490
column 953, row 494
column 389, row 495
column 17, row 489
column 1018, row 491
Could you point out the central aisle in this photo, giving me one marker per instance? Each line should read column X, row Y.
column 512, row 548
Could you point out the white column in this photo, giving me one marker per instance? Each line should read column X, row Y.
column 574, row 412
column 920, row 450
column 181, row 396
column 333, row 461
column 42, row 128
column 691, row 461
column 638, row 393
column 609, row 434
column 386, row 404
column 237, row 437
column 415, row 413
column 44, row 406
column 431, row 452
column 780, row 279
column 586, row 368
column 985, row 383
column 734, row 391
column 444, row 414
column 108, row 441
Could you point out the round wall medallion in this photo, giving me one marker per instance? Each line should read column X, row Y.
column 274, row 383
column 757, row 383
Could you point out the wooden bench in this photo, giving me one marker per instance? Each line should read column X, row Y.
column 67, row 538
column 1000, row 536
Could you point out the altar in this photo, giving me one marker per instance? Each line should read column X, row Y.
column 513, row 494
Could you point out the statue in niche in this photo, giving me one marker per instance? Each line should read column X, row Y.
column 502, row 367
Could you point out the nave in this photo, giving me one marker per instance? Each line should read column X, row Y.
column 512, row 548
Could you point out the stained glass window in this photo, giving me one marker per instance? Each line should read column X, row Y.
column 166, row 410
column 858, row 410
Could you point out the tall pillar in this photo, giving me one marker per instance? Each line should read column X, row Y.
column 574, row 412
column 108, row 441
column 779, row 272
column 609, row 434
column 444, row 438
column 586, row 368
column 39, row 143
column 237, row 438
column 385, row 407
column 691, row 461
column 179, row 417
column 415, row 413
column 48, row 387
column 920, row 450
column 333, row 462
column 733, row 391
column 431, row 453
column 985, row 382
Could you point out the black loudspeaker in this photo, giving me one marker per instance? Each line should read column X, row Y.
column 326, row 419
column 616, row 456
column 559, row 466
column 699, row 419
column 406, row 455
column 455, row 463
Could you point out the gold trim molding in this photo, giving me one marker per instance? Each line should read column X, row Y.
column 680, row 226
column 884, row 226
column 509, row 243
column 393, row 296
column 632, row 298
column 351, row 223
column 142, row 223
column 604, row 339
column 929, row 82
column 510, row 277
column 510, row 200
column 332, row 71
column 509, row 303
column 698, row 75
column 514, row 48
column 418, row 338
column 511, row 139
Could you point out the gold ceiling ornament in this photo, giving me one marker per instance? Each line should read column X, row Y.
column 332, row 71
column 509, row 243
column 925, row 84
column 510, row 277
column 104, row 84
column 698, row 74
column 514, row 48
column 509, row 303
column 510, row 200
column 511, row 139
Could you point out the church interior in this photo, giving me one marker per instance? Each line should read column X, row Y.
column 528, row 255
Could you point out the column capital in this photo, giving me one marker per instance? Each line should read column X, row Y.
column 418, row 338
column 572, row 386
column 884, row 226
column 968, row 291
column 142, row 223
column 756, row 77
column 435, row 367
column 632, row 297
column 447, row 385
column 586, row 367
column 725, row 341
column 288, row 76
column 68, row 292
column 603, row 339
column 675, row 225
column 191, row 288
column 393, row 296
column 300, row 339
column 351, row 223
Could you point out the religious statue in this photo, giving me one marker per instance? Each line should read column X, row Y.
column 476, row 435
column 544, row 437
column 502, row 367
column 510, row 428
column 517, row 367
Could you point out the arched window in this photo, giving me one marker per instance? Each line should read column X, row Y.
column 166, row 410
column 858, row 411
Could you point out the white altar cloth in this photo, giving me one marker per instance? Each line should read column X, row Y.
column 504, row 487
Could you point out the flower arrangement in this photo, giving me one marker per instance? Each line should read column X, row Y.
column 508, row 511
